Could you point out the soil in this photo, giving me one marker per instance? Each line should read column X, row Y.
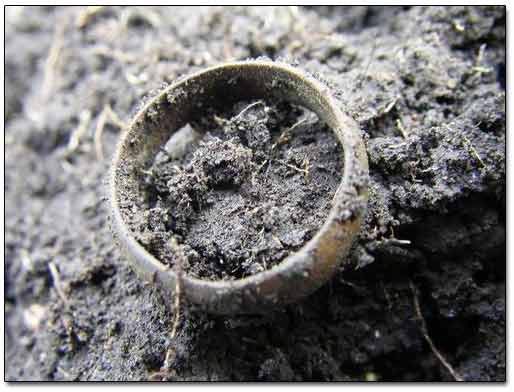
column 240, row 199
column 427, row 86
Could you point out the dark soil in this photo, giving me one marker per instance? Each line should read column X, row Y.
column 426, row 85
column 255, row 188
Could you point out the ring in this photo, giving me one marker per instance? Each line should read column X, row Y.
column 300, row 273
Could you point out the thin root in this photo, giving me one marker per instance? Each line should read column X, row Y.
column 277, row 240
column 87, row 14
column 390, row 106
column 57, row 282
column 284, row 136
column 246, row 109
column 76, row 136
column 306, row 166
column 107, row 114
column 479, row 68
column 170, row 352
column 473, row 151
column 402, row 130
column 178, row 284
column 305, row 170
column 49, row 73
column 424, row 331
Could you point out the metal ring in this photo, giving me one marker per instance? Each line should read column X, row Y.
column 300, row 273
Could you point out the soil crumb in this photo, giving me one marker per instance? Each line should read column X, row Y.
column 241, row 189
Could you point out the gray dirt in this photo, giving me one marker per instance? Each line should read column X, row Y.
column 426, row 85
column 252, row 186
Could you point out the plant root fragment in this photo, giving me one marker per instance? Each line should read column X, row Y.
column 285, row 136
column 107, row 114
column 87, row 14
column 57, row 282
column 424, row 331
column 165, row 370
column 52, row 60
column 473, row 151
column 402, row 130
column 246, row 109
column 76, row 135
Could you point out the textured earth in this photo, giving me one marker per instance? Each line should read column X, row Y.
column 422, row 297
column 240, row 192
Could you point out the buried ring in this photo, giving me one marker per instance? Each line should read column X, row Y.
column 300, row 273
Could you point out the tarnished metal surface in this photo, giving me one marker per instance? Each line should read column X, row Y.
column 300, row 273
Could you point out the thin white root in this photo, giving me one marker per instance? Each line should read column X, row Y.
column 390, row 106
column 52, row 61
column 57, row 282
column 474, row 152
column 305, row 170
column 246, row 109
column 424, row 331
column 471, row 149
column 181, row 258
column 402, row 130
column 87, row 14
column 284, row 136
column 76, row 136
column 98, row 135
column 107, row 114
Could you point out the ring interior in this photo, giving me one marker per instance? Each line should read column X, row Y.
column 304, row 270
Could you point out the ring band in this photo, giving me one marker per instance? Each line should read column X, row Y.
column 300, row 273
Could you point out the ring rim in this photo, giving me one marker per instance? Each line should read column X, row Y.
column 302, row 271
